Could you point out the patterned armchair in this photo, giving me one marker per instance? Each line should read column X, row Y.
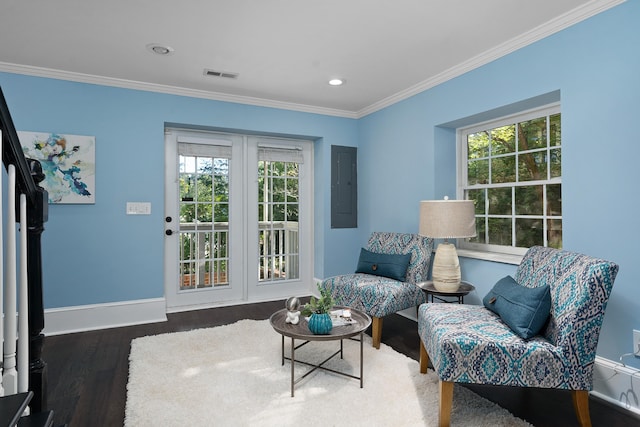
column 379, row 296
column 471, row 344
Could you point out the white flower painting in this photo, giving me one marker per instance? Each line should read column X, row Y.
column 68, row 163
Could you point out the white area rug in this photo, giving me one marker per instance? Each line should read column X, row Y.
column 232, row 376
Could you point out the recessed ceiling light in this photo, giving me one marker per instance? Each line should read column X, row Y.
column 337, row 82
column 159, row 49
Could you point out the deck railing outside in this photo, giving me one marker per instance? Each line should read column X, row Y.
column 204, row 253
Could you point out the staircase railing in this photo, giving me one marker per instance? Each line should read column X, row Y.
column 22, row 368
column 15, row 372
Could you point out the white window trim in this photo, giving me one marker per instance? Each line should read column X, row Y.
column 503, row 258
column 497, row 253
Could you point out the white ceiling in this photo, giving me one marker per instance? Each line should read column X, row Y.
column 283, row 50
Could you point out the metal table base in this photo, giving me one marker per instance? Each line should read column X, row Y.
column 293, row 360
column 300, row 331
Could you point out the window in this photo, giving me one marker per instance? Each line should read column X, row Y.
column 278, row 207
column 204, row 215
column 511, row 169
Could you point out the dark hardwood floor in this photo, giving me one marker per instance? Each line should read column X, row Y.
column 88, row 372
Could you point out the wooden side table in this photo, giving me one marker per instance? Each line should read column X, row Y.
column 431, row 291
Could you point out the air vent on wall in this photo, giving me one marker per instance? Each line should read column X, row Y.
column 224, row 74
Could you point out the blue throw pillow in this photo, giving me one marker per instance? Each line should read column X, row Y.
column 525, row 310
column 387, row 265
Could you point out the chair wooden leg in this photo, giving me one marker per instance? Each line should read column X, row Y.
column 376, row 331
column 581, row 406
column 424, row 359
column 446, row 400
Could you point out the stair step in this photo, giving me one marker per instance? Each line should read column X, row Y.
column 40, row 419
column 12, row 407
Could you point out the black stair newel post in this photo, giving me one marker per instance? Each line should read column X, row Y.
column 37, row 216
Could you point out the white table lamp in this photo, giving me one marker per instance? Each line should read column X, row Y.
column 447, row 219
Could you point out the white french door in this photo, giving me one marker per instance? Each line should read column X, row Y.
column 280, row 218
column 238, row 219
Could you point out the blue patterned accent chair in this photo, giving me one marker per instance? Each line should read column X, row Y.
column 379, row 296
column 471, row 344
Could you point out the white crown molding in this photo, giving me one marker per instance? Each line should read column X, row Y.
column 171, row 90
column 553, row 26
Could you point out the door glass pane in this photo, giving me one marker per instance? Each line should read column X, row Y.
column 204, row 222
column 278, row 196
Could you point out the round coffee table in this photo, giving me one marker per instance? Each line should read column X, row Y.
column 360, row 323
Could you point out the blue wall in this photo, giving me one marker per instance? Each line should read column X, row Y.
column 97, row 254
column 408, row 155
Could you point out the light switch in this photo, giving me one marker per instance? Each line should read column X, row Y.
column 138, row 208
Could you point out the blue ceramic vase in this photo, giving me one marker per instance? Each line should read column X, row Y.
column 320, row 324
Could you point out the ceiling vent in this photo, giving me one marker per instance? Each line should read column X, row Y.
column 223, row 74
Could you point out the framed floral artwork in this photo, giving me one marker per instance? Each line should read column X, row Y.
column 68, row 163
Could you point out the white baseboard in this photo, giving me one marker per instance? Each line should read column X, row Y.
column 66, row 320
column 617, row 384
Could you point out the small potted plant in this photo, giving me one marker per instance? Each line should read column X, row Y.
column 318, row 309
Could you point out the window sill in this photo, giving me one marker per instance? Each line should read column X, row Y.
column 490, row 256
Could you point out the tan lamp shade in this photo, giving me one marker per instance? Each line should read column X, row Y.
column 447, row 219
